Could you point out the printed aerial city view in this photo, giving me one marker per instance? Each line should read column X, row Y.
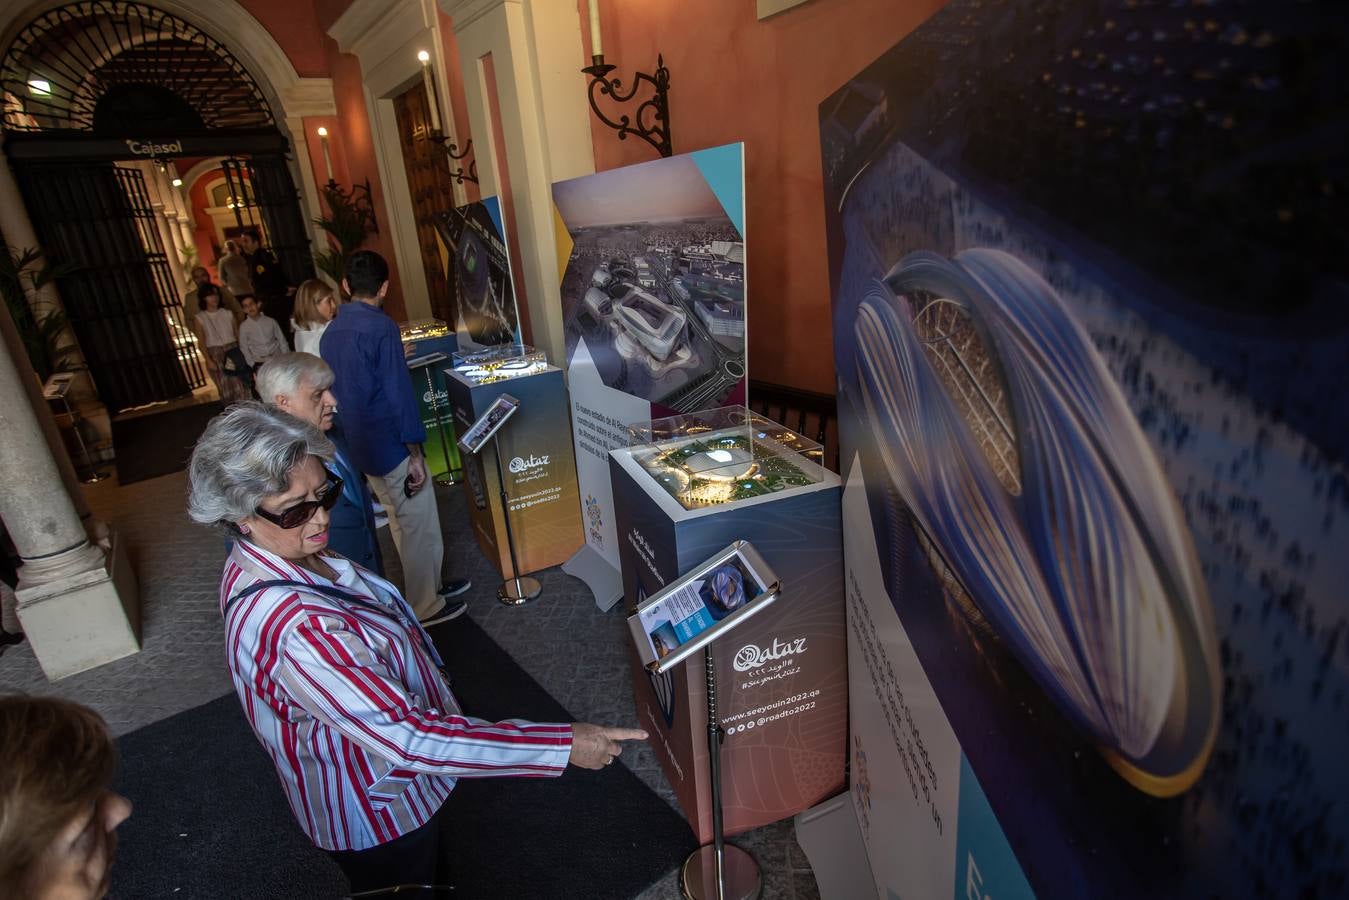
column 655, row 283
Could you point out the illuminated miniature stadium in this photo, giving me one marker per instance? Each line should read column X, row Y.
column 503, row 363
column 723, row 456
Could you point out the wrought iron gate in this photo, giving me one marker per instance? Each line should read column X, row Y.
column 265, row 194
column 119, row 295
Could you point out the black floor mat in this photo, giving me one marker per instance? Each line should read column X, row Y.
column 158, row 443
column 210, row 819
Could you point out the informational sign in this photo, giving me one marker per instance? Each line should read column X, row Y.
column 473, row 245
column 701, row 605
column 651, row 260
column 481, row 431
column 1093, row 539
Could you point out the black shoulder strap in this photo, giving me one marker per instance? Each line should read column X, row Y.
column 333, row 593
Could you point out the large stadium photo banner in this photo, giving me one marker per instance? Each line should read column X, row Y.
column 651, row 260
column 477, row 261
column 1090, row 287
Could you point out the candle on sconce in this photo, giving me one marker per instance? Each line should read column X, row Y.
column 327, row 159
column 432, row 99
column 596, row 48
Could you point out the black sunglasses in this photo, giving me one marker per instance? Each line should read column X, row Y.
column 302, row 512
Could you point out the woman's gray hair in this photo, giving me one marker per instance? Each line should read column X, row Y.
column 285, row 372
column 245, row 454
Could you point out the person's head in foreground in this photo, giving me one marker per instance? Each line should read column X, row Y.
column 250, row 305
column 260, row 473
column 57, row 817
column 315, row 304
column 300, row 384
column 366, row 277
column 249, row 241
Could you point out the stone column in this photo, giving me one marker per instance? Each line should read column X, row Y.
column 19, row 234
column 77, row 604
column 162, row 206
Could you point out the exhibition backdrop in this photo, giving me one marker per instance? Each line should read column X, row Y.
column 1091, row 326
column 476, row 259
column 651, row 260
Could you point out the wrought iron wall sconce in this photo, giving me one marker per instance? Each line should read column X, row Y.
column 454, row 154
column 651, row 120
column 349, row 208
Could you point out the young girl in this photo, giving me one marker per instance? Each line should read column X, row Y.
column 218, row 332
column 315, row 307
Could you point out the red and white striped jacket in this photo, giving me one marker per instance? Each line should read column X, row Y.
column 349, row 702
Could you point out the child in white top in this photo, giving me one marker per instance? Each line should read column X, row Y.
column 259, row 336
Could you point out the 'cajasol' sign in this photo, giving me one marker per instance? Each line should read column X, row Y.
column 150, row 148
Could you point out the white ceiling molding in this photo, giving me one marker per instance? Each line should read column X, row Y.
column 309, row 97
column 465, row 12
column 373, row 30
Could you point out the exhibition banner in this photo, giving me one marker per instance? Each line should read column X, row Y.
column 477, row 260
column 1091, row 323
column 651, row 259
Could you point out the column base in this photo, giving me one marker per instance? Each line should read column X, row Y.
column 82, row 620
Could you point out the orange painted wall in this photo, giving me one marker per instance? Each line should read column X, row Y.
column 734, row 78
column 294, row 25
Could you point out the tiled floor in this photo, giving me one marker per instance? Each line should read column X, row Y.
column 181, row 664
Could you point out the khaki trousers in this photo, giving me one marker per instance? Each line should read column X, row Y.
column 414, row 524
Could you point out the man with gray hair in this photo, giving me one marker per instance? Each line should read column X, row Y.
column 299, row 384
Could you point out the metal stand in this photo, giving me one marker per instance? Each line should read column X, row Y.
column 718, row 871
column 95, row 474
column 517, row 589
column 448, row 478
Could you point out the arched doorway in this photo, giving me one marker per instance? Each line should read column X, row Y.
column 90, row 85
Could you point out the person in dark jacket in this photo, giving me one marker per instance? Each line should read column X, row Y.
column 299, row 383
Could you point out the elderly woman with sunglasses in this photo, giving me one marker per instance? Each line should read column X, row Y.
column 338, row 680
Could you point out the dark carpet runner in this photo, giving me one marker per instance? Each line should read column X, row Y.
column 155, row 444
column 210, row 819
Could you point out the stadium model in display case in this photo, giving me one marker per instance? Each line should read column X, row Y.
column 723, row 455
column 493, row 364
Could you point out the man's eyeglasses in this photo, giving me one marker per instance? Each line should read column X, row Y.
column 302, row 512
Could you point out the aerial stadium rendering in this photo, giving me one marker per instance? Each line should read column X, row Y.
column 655, row 283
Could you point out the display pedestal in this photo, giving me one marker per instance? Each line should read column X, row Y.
column 783, row 705
column 537, row 468
column 428, row 343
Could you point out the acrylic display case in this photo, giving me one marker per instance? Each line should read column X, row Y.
column 724, row 455
column 502, row 363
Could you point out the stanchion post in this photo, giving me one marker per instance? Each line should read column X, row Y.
column 517, row 589
column 733, row 873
